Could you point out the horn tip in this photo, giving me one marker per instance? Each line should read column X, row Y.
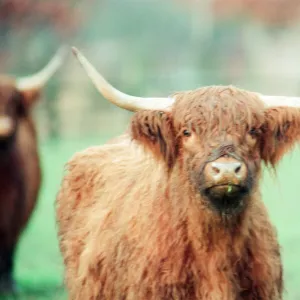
column 75, row 51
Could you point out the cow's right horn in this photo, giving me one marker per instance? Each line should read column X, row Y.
column 283, row 101
column 118, row 98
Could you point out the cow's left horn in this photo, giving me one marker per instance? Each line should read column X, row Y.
column 39, row 79
column 118, row 98
column 283, row 101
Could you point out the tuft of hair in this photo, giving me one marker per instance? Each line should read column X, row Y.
column 281, row 133
column 217, row 109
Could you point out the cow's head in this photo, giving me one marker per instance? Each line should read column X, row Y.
column 17, row 96
column 218, row 135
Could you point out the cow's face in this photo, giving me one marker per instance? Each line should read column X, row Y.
column 220, row 142
column 218, row 136
column 17, row 96
column 15, row 104
column 11, row 108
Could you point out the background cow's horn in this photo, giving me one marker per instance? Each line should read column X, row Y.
column 118, row 98
column 275, row 101
column 39, row 79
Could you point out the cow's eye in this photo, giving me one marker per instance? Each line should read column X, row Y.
column 254, row 132
column 186, row 132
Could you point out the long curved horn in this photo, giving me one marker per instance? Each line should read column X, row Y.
column 39, row 79
column 283, row 101
column 118, row 98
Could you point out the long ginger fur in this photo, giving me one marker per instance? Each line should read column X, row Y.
column 131, row 224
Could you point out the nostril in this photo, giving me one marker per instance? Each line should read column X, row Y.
column 238, row 169
column 215, row 170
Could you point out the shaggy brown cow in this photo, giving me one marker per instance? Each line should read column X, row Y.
column 20, row 174
column 173, row 210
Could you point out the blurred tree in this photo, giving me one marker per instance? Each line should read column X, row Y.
column 270, row 12
column 225, row 49
column 31, row 31
column 25, row 18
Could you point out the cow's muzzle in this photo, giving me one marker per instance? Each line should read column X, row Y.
column 226, row 184
column 6, row 127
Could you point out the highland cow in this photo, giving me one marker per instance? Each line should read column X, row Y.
column 20, row 172
column 172, row 209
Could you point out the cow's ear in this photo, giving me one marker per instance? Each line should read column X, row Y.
column 281, row 133
column 30, row 97
column 25, row 101
column 155, row 130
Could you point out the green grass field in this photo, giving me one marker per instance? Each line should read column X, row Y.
column 39, row 269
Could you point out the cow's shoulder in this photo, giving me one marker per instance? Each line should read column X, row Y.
column 92, row 167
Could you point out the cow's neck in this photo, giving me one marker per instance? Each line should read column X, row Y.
column 7, row 146
column 8, row 153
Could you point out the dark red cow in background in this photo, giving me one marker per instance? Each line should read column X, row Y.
column 20, row 172
column 172, row 209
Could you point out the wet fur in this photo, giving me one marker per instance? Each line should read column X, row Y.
column 133, row 225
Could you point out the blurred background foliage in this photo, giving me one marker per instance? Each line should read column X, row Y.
column 147, row 48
